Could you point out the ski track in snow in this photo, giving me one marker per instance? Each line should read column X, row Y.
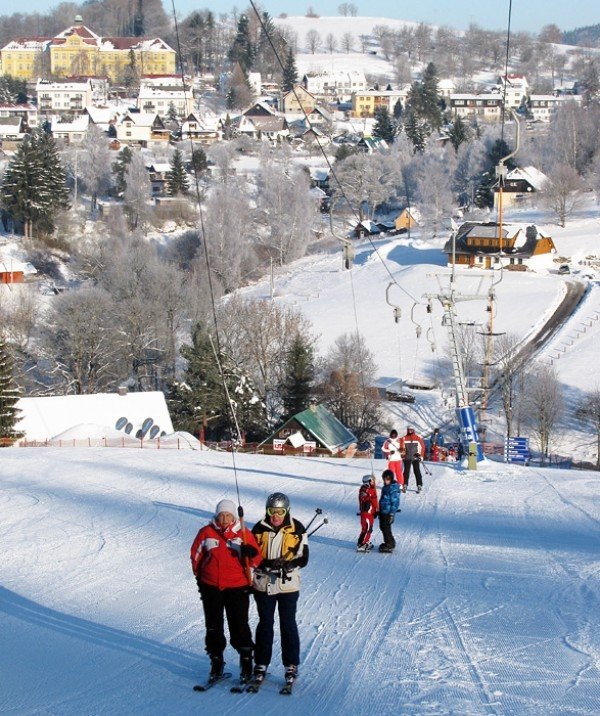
column 489, row 605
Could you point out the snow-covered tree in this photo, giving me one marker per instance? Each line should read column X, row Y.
column 562, row 191
column 9, row 394
column 120, row 167
column 433, row 179
column 385, row 127
column 287, row 211
column 138, row 191
column 177, row 178
column 544, row 402
column 299, row 376
column 95, row 164
column 366, row 180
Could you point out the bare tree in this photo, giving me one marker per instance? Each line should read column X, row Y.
column 544, row 404
column 331, row 43
column 562, row 191
column 79, row 340
column 223, row 155
column 588, row 411
column 347, row 42
column 433, row 176
column 346, row 385
column 313, row 41
column 509, row 365
column 257, row 335
column 228, row 227
column 366, row 181
column 287, row 210
column 137, row 192
column 96, row 164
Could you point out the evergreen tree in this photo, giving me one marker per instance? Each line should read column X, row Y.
column 177, row 178
column 459, row 133
column 424, row 100
column 172, row 112
column 242, row 51
column 12, row 90
column 198, row 161
column 34, row 188
column 9, row 394
column 415, row 130
column 199, row 400
column 385, row 127
column 297, row 388
column 290, row 73
column 484, row 195
column 120, row 169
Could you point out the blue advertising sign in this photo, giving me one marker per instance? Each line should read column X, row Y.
column 516, row 450
column 468, row 430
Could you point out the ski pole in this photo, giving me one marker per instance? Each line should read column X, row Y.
column 318, row 527
column 318, row 511
column 427, row 470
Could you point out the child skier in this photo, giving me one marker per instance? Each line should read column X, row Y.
column 367, row 504
column 388, row 506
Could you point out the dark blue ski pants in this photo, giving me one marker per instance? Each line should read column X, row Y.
column 290, row 640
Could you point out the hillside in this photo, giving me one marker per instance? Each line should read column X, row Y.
column 489, row 605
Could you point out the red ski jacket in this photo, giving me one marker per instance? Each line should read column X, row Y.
column 367, row 499
column 216, row 557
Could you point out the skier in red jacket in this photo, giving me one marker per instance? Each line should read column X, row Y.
column 367, row 504
column 393, row 449
column 220, row 556
column 414, row 447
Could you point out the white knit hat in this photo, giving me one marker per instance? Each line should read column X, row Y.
column 226, row 506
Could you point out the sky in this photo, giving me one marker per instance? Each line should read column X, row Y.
column 528, row 15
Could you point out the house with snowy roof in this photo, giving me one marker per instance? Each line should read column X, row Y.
column 141, row 128
column 11, row 128
column 298, row 100
column 203, row 130
column 14, row 270
column 131, row 415
column 309, row 431
column 519, row 185
column 73, row 132
column 63, row 96
column 515, row 88
column 160, row 99
column 489, row 245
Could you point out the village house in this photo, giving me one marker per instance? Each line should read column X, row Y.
column 310, row 431
column 519, row 184
column 11, row 129
column 516, row 89
column 71, row 132
column 542, row 107
column 407, row 219
column 78, row 51
column 63, row 97
column 27, row 112
column 200, row 129
column 262, row 121
column 140, row 128
column 335, row 86
column 487, row 246
column 367, row 102
column 160, row 99
column 486, row 107
column 159, row 174
column 298, row 101
column 13, row 270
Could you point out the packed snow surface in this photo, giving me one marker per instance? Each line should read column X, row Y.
column 490, row 604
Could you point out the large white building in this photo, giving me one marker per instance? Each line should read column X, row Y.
column 543, row 106
column 487, row 107
column 335, row 86
column 60, row 97
column 158, row 98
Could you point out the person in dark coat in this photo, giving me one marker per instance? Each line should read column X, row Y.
column 414, row 447
column 222, row 555
column 389, row 503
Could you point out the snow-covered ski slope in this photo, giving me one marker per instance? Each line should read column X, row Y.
column 490, row 604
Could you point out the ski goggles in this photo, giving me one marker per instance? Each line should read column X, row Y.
column 280, row 511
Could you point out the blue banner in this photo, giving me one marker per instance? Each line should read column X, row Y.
column 468, row 430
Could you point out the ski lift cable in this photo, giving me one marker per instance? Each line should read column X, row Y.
column 216, row 348
column 322, row 149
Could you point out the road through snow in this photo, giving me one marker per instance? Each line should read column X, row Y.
column 490, row 604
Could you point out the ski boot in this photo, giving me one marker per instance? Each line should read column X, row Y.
column 384, row 549
column 245, row 665
column 291, row 674
column 260, row 673
column 216, row 668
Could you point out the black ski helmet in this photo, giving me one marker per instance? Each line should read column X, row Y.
column 278, row 499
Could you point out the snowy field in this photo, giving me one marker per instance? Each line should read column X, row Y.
column 490, row 604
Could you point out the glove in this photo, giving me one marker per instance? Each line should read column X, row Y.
column 392, row 452
column 272, row 564
column 248, row 551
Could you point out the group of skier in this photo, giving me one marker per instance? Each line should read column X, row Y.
column 402, row 454
column 229, row 563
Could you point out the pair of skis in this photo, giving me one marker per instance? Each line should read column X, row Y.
column 252, row 687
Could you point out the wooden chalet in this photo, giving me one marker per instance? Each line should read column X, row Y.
column 312, row 430
column 482, row 245
column 519, row 185
column 407, row 219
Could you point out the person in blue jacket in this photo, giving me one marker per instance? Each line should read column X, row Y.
column 389, row 503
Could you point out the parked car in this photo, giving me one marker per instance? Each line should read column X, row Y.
column 564, row 268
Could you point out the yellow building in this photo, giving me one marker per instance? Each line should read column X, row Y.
column 78, row 51
column 23, row 57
